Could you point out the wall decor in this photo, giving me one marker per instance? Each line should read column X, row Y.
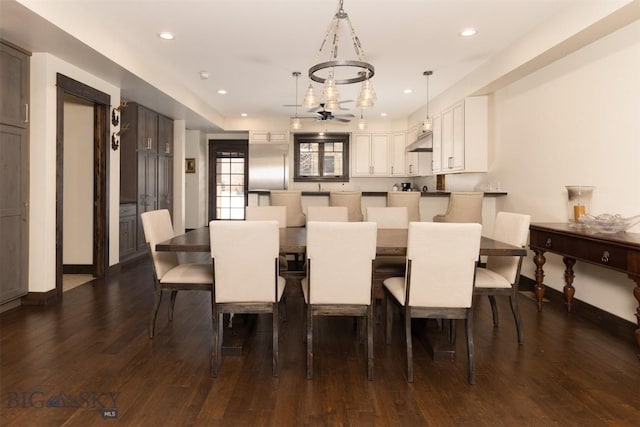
column 190, row 165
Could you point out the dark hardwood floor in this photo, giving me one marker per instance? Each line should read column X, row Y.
column 63, row 364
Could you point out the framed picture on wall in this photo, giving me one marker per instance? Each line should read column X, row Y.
column 190, row 165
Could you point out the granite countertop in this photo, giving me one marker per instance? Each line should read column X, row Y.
column 383, row 193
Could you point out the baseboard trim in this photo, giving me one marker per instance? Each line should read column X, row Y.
column 617, row 326
column 40, row 298
column 77, row 269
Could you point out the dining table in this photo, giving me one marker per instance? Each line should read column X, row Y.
column 293, row 241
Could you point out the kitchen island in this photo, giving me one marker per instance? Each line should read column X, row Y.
column 431, row 203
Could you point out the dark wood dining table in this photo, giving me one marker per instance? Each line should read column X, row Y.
column 293, row 241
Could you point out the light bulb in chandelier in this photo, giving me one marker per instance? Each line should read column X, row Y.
column 330, row 91
column 310, row 99
column 332, row 105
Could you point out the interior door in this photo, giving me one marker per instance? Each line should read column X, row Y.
column 228, row 178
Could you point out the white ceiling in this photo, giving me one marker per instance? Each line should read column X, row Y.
column 251, row 47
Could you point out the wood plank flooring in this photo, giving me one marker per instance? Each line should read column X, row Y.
column 66, row 363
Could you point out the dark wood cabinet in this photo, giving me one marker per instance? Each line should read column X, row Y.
column 14, row 174
column 128, row 229
column 146, row 169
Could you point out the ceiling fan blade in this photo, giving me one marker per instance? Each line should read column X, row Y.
column 340, row 119
column 344, row 115
column 291, row 105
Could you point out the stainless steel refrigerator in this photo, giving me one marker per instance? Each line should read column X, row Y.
column 268, row 166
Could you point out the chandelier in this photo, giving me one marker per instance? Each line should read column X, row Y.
column 337, row 71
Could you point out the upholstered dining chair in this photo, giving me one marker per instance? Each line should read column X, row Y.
column 388, row 265
column 292, row 200
column 242, row 289
column 463, row 207
column 168, row 273
column 388, row 217
column 351, row 199
column 441, row 264
column 408, row 199
column 329, row 290
column 278, row 213
column 502, row 273
column 328, row 213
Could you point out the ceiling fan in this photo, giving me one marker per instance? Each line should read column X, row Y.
column 323, row 114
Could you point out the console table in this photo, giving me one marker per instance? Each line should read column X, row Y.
column 617, row 251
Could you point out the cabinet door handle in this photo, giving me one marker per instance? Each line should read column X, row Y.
column 26, row 113
column 548, row 242
column 148, row 143
column 605, row 256
column 450, row 162
column 166, row 148
column 391, row 170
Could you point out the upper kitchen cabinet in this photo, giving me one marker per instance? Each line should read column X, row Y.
column 398, row 154
column 14, row 86
column 463, row 137
column 266, row 137
column 436, row 154
column 165, row 136
column 370, row 155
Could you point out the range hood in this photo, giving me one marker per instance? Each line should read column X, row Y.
column 423, row 144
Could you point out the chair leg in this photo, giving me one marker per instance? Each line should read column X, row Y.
column 309, row 343
column 407, row 332
column 494, row 310
column 172, row 303
column 388, row 314
column 469, row 332
column 515, row 309
column 219, row 343
column 154, row 312
column 214, row 336
column 453, row 330
column 370, row 310
column 216, row 320
column 275, row 338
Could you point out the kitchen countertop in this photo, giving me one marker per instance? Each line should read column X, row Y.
column 382, row 193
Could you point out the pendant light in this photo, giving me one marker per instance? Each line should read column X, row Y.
column 427, row 125
column 295, row 121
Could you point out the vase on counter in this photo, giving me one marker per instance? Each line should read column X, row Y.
column 578, row 202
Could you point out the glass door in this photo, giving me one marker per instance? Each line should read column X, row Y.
column 228, row 179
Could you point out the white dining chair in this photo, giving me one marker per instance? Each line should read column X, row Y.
column 502, row 273
column 408, row 199
column 388, row 217
column 243, row 288
column 332, row 290
column 278, row 213
column 168, row 273
column 441, row 264
column 328, row 213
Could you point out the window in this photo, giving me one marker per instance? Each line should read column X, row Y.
column 321, row 157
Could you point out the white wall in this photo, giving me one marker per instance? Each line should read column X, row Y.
column 77, row 239
column 574, row 122
column 196, row 183
column 42, row 166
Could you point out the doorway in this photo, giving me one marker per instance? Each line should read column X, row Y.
column 228, row 178
column 100, row 160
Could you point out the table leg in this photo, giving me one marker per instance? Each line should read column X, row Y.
column 636, row 293
column 569, row 290
column 539, row 260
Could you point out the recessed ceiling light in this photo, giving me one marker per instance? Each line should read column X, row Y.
column 383, row 114
column 166, row 35
column 204, row 75
column 222, row 92
column 468, row 32
column 244, row 114
column 408, row 91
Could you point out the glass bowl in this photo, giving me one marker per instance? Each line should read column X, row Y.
column 608, row 223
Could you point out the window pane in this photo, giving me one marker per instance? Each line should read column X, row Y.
column 309, row 164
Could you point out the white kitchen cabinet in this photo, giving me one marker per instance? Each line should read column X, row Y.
column 398, row 154
column 463, row 138
column 370, row 155
column 266, row 137
column 436, row 155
